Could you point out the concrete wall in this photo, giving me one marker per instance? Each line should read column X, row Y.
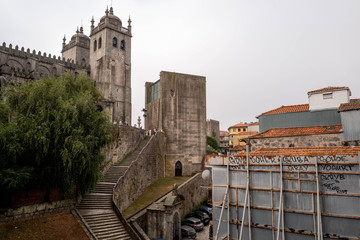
column 142, row 172
column 317, row 101
column 321, row 140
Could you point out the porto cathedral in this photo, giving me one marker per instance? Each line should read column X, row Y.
column 105, row 56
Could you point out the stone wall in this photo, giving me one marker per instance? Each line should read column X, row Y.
column 160, row 218
column 37, row 211
column 126, row 139
column 147, row 168
column 321, row 140
column 19, row 65
column 213, row 129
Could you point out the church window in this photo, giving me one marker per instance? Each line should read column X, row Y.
column 100, row 41
column 114, row 42
column 122, row 44
column 95, row 44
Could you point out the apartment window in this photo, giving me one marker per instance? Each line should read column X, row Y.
column 327, row 95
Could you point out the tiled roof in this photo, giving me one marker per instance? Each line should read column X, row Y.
column 355, row 100
column 224, row 132
column 298, row 131
column 306, row 151
column 239, row 148
column 349, row 106
column 328, row 89
column 289, row 108
column 254, row 123
column 245, row 133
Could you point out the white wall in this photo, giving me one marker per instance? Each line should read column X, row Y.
column 317, row 102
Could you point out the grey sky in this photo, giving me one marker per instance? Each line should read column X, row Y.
column 256, row 55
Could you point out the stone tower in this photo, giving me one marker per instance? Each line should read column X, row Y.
column 108, row 52
column 110, row 64
column 78, row 48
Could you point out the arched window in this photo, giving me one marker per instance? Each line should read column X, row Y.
column 100, row 40
column 122, row 44
column 95, row 45
column 178, row 169
column 114, row 42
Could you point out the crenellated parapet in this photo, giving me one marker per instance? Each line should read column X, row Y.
column 18, row 65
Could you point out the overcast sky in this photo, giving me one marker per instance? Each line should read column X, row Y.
column 256, row 55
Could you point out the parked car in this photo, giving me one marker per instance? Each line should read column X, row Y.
column 194, row 223
column 187, row 232
column 204, row 217
column 207, row 210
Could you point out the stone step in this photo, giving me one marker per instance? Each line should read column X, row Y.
column 104, row 188
column 111, row 234
column 102, row 222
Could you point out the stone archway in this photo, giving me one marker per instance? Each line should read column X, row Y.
column 178, row 169
column 176, row 226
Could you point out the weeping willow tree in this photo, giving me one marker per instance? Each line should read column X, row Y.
column 52, row 135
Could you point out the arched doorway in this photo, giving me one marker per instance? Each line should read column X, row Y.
column 176, row 226
column 178, row 169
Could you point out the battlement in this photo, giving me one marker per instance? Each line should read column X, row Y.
column 44, row 58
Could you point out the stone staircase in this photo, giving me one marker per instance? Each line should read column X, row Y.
column 96, row 208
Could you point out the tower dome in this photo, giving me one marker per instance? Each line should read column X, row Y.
column 112, row 19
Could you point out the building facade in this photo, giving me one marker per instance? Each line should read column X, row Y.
column 213, row 129
column 320, row 111
column 105, row 56
column 350, row 119
column 176, row 105
column 241, row 131
column 224, row 142
column 108, row 52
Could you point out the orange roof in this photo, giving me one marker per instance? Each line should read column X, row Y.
column 298, row 131
column 355, row 100
column 245, row 124
column 289, row 108
column 254, row 123
column 245, row 133
column 349, row 106
column 223, row 132
column 327, row 89
column 302, row 151
column 239, row 148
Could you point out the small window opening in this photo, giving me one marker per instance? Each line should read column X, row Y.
column 100, row 41
column 114, row 42
column 95, row 45
column 327, row 95
column 122, row 44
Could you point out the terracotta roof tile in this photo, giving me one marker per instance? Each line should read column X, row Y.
column 306, row 151
column 298, row 131
column 349, row 106
column 327, row 89
column 355, row 100
column 289, row 108
column 245, row 133
column 239, row 148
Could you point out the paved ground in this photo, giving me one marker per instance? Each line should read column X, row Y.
column 204, row 234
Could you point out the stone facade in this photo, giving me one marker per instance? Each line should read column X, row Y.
column 105, row 56
column 126, row 139
column 319, row 140
column 18, row 66
column 162, row 218
column 146, row 169
column 37, row 210
column 108, row 52
column 176, row 105
column 213, row 129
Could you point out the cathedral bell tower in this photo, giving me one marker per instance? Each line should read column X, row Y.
column 110, row 62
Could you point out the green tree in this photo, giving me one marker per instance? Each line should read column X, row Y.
column 54, row 134
column 212, row 143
